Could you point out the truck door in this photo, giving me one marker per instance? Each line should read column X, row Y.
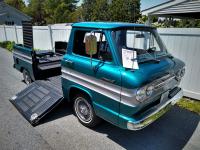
column 99, row 75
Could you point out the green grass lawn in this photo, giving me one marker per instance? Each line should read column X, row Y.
column 189, row 104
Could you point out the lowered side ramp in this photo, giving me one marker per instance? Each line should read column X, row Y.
column 39, row 98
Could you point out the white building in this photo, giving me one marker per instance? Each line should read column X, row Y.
column 175, row 9
column 11, row 16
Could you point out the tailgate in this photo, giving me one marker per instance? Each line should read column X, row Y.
column 36, row 100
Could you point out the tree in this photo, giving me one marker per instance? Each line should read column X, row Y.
column 77, row 15
column 101, row 11
column 59, row 11
column 111, row 10
column 35, row 9
column 125, row 11
column 88, row 6
column 18, row 4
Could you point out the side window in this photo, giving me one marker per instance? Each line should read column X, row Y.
column 103, row 49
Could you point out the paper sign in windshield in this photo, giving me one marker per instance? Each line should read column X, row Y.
column 129, row 59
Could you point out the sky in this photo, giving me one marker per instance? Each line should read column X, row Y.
column 149, row 3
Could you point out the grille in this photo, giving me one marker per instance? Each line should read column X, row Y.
column 159, row 83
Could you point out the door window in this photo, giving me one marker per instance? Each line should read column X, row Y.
column 103, row 49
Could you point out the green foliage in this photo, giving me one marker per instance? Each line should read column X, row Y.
column 51, row 11
column 142, row 20
column 59, row 11
column 188, row 23
column 189, row 104
column 126, row 11
column 18, row 4
column 77, row 15
column 35, row 9
column 115, row 10
column 172, row 23
column 7, row 45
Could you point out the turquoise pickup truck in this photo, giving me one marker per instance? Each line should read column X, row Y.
column 119, row 72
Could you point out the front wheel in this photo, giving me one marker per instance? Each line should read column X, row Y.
column 26, row 76
column 84, row 111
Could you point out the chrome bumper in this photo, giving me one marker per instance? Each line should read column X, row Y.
column 154, row 115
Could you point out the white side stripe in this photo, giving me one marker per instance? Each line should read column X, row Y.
column 24, row 59
column 102, row 87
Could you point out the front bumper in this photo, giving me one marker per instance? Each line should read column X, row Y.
column 155, row 114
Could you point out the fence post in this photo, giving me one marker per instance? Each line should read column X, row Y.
column 16, row 34
column 51, row 38
column 5, row 32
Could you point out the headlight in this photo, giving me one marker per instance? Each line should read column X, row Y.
column 141, row 94
column 149, row 90
column 144, row 92
column 180, row 73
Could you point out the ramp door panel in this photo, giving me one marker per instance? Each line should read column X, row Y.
column 36, row 100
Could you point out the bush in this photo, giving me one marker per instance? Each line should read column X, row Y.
column 8, row 45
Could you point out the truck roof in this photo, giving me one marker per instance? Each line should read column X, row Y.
column 107, row 25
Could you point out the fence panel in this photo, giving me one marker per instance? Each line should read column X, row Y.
column 60, row 33
column 19, row 34
column 184, row 43
column 11, row 34
column 2, row 34
column 41, row 38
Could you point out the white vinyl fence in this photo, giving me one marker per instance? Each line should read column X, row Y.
column 183, row 43
column 44, row 37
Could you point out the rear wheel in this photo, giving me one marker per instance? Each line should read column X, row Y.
column 84, row 111
column 26, row 76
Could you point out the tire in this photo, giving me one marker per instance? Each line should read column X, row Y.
column 26, row 76
column 84, row 111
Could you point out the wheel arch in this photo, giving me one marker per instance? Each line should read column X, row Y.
column 21, row 69
column 73, row 90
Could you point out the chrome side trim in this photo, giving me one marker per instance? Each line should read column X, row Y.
column 107, row 89
column 23, row 57
column 110, row 90
column 145, row 121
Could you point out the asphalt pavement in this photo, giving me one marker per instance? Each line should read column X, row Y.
column 178, row 129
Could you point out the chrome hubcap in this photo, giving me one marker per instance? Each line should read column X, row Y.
column 83, row 110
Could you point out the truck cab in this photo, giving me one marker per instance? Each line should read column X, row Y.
column 117, row 92
column 119, row 72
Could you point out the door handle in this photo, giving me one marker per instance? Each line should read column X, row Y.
column 69, row 61
column 108, row 80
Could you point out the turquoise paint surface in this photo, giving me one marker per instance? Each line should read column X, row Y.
column 106, row 25
column 108, row 109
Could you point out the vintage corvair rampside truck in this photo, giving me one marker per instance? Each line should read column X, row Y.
column 119, row 72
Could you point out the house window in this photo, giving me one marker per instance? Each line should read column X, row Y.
column 9, row 23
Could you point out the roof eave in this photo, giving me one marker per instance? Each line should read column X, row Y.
column 153, row 9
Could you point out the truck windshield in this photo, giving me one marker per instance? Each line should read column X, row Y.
column 145, row 41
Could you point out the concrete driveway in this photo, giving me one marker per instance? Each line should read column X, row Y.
column 178, row 129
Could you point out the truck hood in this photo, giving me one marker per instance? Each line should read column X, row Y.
column 150, row 71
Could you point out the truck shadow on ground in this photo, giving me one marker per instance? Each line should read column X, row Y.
column 172, row 131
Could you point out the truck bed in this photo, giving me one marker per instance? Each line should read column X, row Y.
column 40, row 64
column 38, row 99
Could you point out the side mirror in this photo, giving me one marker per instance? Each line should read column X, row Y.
column 91, row 44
